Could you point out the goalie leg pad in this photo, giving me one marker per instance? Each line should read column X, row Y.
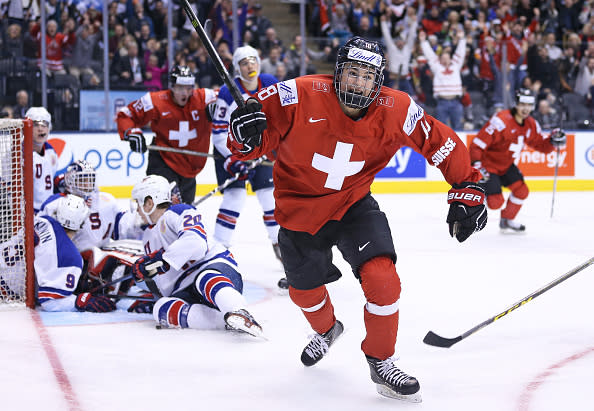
column 316, row 307
column 381, row 286
column 171, row 312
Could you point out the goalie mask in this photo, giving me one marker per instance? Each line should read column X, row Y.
column 358, row 75
column 250, row 54
column 153, row 186
column 72, row 212
column 80, row 180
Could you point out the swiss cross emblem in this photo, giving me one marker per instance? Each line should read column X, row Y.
column 338, row 167
column 183, row 135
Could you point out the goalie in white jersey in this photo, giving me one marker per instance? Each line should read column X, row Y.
column 57, row 262
column 45, row 159
column 106, row 220
column 197, row 277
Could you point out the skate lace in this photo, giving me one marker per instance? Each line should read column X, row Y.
column 391, row 373
column 318, row 346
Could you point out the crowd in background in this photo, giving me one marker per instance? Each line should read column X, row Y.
column 547, row 46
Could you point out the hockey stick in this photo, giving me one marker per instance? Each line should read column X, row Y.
column 555, row 182
column 198, row 153
column 130, row 297
column 437, row 341
column 228, row 182
column 216, row 59
column 182, row 151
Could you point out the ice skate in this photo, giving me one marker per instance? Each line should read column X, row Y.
column 392, row 382
column 507, row 225
column 315, row 350
column 283, row 285
column 242, row 320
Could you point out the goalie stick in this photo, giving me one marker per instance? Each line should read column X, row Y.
column 216, row 59
column 437, row 341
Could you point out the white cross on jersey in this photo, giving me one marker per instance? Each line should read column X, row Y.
column 184, row 134
column 339, row 166
column 516, row 149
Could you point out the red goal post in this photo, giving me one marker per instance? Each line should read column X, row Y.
column 17, row 277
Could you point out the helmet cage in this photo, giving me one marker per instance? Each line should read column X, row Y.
column 80, row 179
column 359, row 59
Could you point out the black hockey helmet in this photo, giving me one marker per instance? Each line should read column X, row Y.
column 364, row 55
column 525, row 96
column 181, row 75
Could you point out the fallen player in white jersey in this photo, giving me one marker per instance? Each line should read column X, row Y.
column 196, row 279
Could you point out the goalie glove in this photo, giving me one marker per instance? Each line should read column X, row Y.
column 557, row 138
column 468, row 213
column 484, row 173
column 150, row 265
column 135, row 137
column 94, row 303
column 247, row 125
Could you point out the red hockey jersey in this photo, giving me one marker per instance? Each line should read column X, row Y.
column 326, row 161
column 499, row 143
column 174, row 126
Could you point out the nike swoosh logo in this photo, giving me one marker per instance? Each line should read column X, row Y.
column 166, row 113
column 315, row 120
column 364, row 245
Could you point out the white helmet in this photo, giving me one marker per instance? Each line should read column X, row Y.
column 153, row 186
column 39, row 114
column 79, row 179
column 243, row 53
column 72, row 212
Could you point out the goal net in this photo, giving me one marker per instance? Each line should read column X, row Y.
column 17, row 282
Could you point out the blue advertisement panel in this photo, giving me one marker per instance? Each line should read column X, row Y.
column 405, row 163
column 92, row 107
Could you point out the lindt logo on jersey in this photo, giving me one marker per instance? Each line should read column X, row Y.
column 365, row 56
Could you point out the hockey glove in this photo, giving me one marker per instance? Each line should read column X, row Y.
column 558, row 137
column 247, row 125
column 149, row 265
column 94, row 303
column 135, row 137
column 141, row 306
column 468, row 213
column 235, row 166
column 485, row 174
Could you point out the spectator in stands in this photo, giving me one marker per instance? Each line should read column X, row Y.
column 447, row 80
column 22, row 104
column 83, row 63
column 271, row 40
column 225, row 23
column 153, row 73
column 433, row 22
column 158, row 14
column 293, row 58
column 584, row 84
column 6, row 112
column 257, row 24
column 399, row 52
column 136, row 21
column 13, row 42
column 550, row 43
column 129, row 71
column 116, row 39
column 206, row 73
column 55, row 44
column 281, row 72
column 541, row 68
column 568, row 70
column 339, row 27
column 547, row 116
column 269, row 63
column 365, row 28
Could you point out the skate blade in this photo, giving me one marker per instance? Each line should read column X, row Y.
column 387, row 392
column 242, row 324
column 511, row 231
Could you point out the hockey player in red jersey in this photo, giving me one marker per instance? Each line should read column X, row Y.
column 332, row 135
column 179, row 119
column 496, row 150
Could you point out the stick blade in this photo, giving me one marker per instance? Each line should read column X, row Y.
column 437, row 341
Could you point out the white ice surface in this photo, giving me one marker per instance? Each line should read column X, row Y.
column 540, row 357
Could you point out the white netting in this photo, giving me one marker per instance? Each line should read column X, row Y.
column 12, row 245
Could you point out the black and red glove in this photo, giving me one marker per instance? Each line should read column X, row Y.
column 247, row 124
column 468, row 213
column 149, row 265
column 94, row 303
